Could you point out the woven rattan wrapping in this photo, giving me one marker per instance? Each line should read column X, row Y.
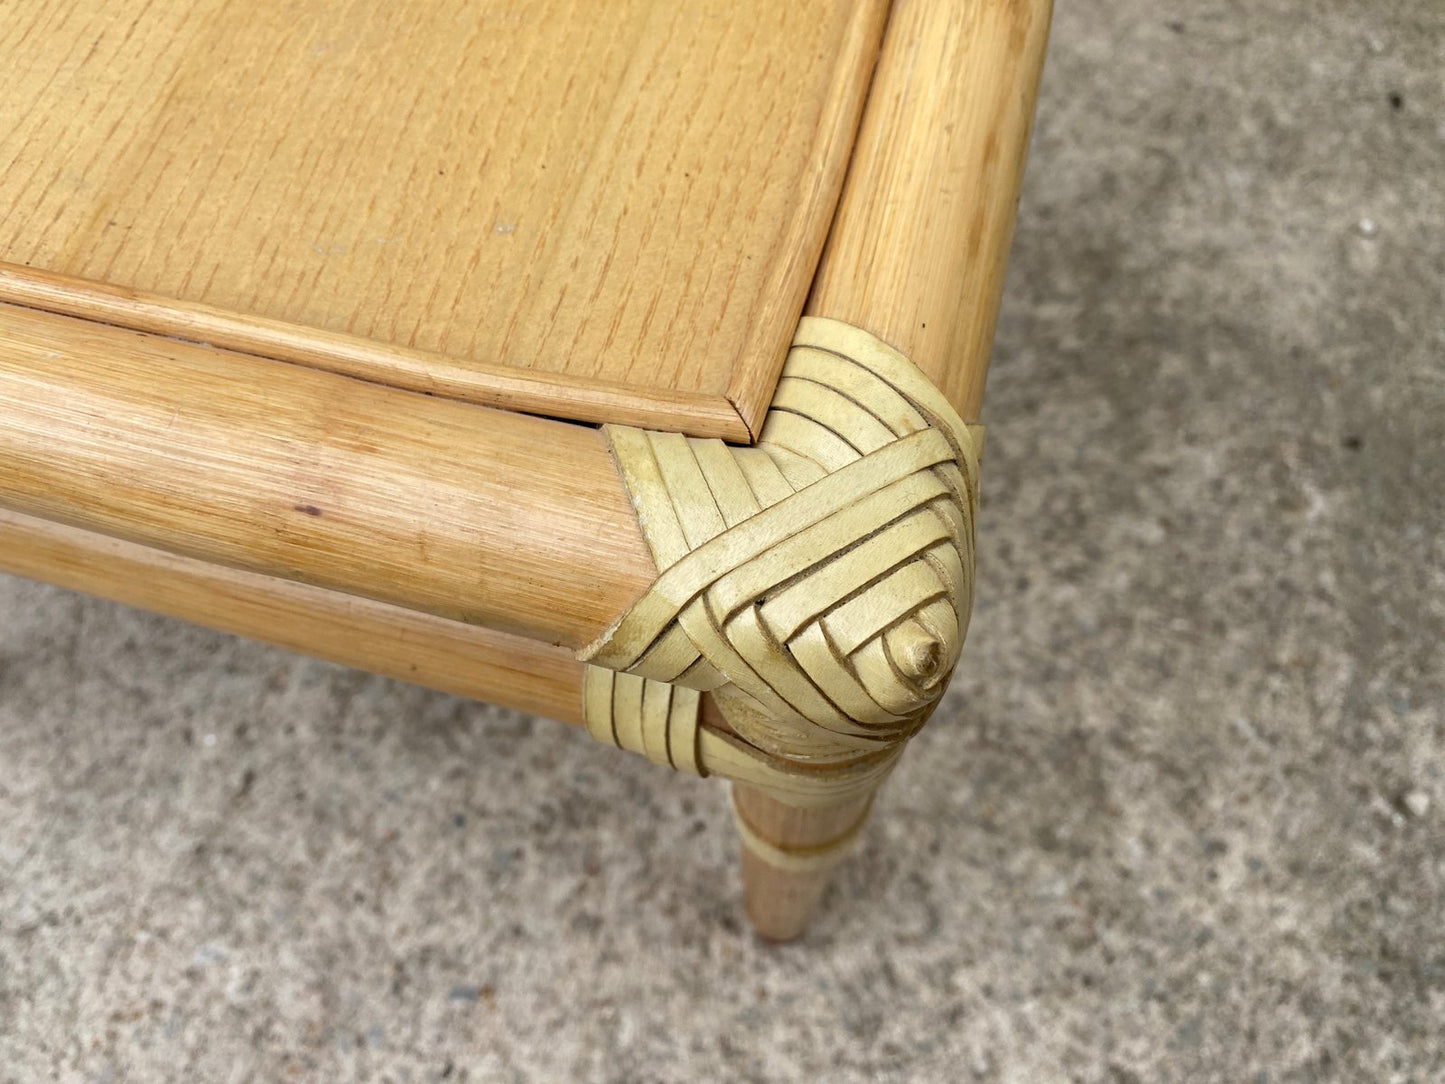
column 818, row 585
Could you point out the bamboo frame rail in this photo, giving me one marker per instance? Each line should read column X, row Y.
column 920, row 242
column 502, row 387
column 452, row 657
column 421, row 648
column 482, row 516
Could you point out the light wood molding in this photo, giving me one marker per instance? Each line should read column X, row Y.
column 555, row 207
column 422, row 648
column 501, row 387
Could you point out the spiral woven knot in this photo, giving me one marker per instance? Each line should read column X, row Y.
column 819, row 583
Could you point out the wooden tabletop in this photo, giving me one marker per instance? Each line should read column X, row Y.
column 600, row 211
column 161, row 208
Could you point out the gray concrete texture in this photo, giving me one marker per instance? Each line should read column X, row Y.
column 1180, row 818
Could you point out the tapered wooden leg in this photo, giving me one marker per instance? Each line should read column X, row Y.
column 789, row 853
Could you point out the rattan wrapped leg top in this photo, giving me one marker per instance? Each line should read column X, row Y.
column 653, row 718
column 817, row 585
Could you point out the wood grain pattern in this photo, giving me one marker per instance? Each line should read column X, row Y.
column 548, row 394
column 482, row 516
column 630, row 195
column 464, row 660
column 782, row 901
column 920, row 244
column 409, row 645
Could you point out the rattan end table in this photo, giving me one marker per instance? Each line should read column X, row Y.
column 617, row 361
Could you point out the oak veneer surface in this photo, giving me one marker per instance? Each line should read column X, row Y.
column 554, row 206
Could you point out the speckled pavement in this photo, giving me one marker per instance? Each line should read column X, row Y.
column 1180, row 818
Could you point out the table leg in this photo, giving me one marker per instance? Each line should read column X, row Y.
column 789, row 854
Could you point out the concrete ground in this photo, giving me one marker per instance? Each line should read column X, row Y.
column 1180, row 818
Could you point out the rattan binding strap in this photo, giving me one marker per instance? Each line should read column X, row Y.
column 818, row 585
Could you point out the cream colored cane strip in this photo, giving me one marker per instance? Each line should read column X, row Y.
column 789, row 781
column 653, row 718
column 815, row 858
